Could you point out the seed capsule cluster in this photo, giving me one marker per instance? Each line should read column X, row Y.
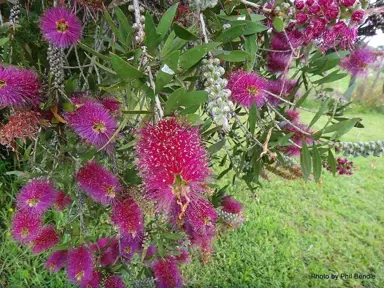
column 219, row 106
column 55, row 59
column 230, row 218
column 138, row 26
column 365, row 149
column 14, row 14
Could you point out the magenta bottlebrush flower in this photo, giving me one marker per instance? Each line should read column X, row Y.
column 347, row 3
column 92, row 122
column 301, row 18
column 297, row 138
column 25, row 226
column 18, row 87
column 247, row 88
column 108, row 249
column 299, row 4
column 279, row 87
column 80, row 265
column 93, row 282
column 172, row 162
column 278, row 61
column 183, row 257
column 100, row 184
column 293, row 115
column 199, row 218
column 357, row 62
column 62, row 201
column 230, row 205
column 60, row 27
column 57, row 260
column 112, row 104
column 129, row 245
column 36, row 196
column 127, row 216
column 167, row 273
column 114, row 282
column 46, row 239
column 358, row 16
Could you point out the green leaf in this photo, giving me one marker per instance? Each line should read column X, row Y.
column 320, row 112
column 123, row 69
column 126, row 28
column 172, row 236
column 183, row 33
column 278, row 24
column 252, row 118
column 216, row 147
column 233, row 56
column 339, row 126
column 193, row 98
column 166, row 21
column 163, row 78
column 111, row 24
column 305, row 161
column 302, row 99
column 180, row 98
column 173, row 99
column 250, row 26
column 284, row 140
column 346, row 127
column 250, row 46
column 93, row 52
column 151, row 36
column 4, row 41
column 317, row 165
column 334, row 76
column 194, row 55
column 332, row 162
column 231, row 33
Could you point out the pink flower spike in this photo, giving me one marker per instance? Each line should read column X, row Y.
column 63, row 200
column 230, row 205
column 37, row 196
column 127, row 216
column 57, row 260
column 172, row 162
column 167, row 273
column 92, row 122
column 19, row 87
column 293, row 116
column 247, row 89
column 129, row 245
column 46, row 239
column 60, row 27
column 99, row 183
column 93, row 282
column 183, row 258
column 108, row 249
column 80, row 265
column 25, row 226
column 114, row 282
column 358, row 61
column 112, row 104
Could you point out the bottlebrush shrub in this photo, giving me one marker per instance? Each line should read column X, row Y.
column 118, row 114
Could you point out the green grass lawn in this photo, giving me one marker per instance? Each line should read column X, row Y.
column 296, row 230
column 299, row 229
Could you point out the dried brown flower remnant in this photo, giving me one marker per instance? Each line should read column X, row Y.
column 22, row 125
